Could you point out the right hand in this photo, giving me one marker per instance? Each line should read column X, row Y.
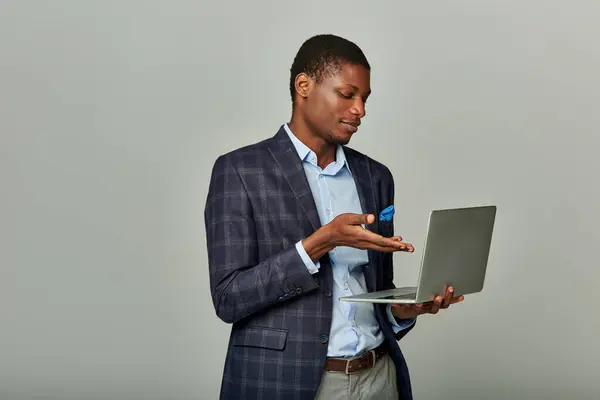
column 347, row 230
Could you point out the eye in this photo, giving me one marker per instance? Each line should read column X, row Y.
column 346, row 95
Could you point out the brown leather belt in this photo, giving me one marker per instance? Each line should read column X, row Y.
column 350, row 365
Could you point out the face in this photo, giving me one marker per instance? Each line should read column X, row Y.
column 333, row 108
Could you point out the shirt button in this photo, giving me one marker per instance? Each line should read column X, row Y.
column 324, row 339
column 328, row 293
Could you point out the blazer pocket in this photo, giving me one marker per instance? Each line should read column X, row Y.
column 386, row 228
column 263, row 337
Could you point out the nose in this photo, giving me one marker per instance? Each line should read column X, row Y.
column 358, row 108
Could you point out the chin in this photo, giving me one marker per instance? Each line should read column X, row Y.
column 342, row 141
column 341, row 138
column 338, row 139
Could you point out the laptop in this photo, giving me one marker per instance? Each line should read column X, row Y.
column 456, row 251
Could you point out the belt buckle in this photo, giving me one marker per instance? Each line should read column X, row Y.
column 354, row 359
column 374, row 357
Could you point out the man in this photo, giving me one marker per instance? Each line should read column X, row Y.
column 293, row 224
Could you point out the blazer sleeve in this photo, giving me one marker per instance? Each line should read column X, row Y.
column 388, row 260
column 240, row 284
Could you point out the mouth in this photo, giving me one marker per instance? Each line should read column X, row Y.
column 351, row 126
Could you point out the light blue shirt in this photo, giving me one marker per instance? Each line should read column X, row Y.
column 354, row 328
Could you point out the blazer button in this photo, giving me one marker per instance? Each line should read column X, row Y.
column 299, row 290
column 328, row 293
column 324, row 339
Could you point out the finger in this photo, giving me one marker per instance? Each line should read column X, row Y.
column 457, row 299
column 382, row 241
column 384, row 248
column 378, row 240
column 367, row 219
column 373, row 241
column 409, row 247
column 448, row 297
column 356, row 219
column 437, row 303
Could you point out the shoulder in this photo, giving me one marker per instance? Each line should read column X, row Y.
column 247, row 155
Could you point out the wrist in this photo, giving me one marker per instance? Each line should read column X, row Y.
column 319, row 243
column 327, row 236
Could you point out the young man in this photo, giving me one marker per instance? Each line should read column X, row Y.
column 293, row 224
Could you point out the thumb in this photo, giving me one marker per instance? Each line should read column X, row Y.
column 357, row 219
column 366, row 219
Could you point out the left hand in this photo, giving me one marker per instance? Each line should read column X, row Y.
column 432, row 307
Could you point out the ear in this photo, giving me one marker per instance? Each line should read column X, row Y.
column 303, row 84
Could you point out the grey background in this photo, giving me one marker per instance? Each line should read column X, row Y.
column 113, row 112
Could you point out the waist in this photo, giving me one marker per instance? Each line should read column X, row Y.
column 358, row 363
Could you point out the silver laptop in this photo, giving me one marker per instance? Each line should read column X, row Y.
column 457, row 246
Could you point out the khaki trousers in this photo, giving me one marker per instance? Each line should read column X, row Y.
column 377, row 383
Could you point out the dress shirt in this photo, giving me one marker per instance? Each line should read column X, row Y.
column 354, row 328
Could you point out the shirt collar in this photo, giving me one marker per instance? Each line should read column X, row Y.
column 305, row 153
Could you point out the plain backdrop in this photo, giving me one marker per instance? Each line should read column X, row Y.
column 113, row 112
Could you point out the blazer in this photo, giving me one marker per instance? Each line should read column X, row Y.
column 259, row 205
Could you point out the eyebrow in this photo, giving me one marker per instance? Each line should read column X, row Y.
column 357, row 89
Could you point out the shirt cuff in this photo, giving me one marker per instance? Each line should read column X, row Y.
column 312, row 267
column 399, row 324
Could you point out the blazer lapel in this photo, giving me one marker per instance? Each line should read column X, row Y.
column 361, row 172
column 285, row 155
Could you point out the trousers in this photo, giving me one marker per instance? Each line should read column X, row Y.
column 376, row 383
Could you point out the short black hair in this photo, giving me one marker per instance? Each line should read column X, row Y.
column 323, row 55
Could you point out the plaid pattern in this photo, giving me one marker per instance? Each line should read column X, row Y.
column 258, row 206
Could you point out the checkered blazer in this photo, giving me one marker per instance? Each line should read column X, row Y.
column 259, row 205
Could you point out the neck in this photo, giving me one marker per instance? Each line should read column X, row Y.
column 324, row 150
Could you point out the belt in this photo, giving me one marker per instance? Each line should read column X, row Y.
column 349, row 365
